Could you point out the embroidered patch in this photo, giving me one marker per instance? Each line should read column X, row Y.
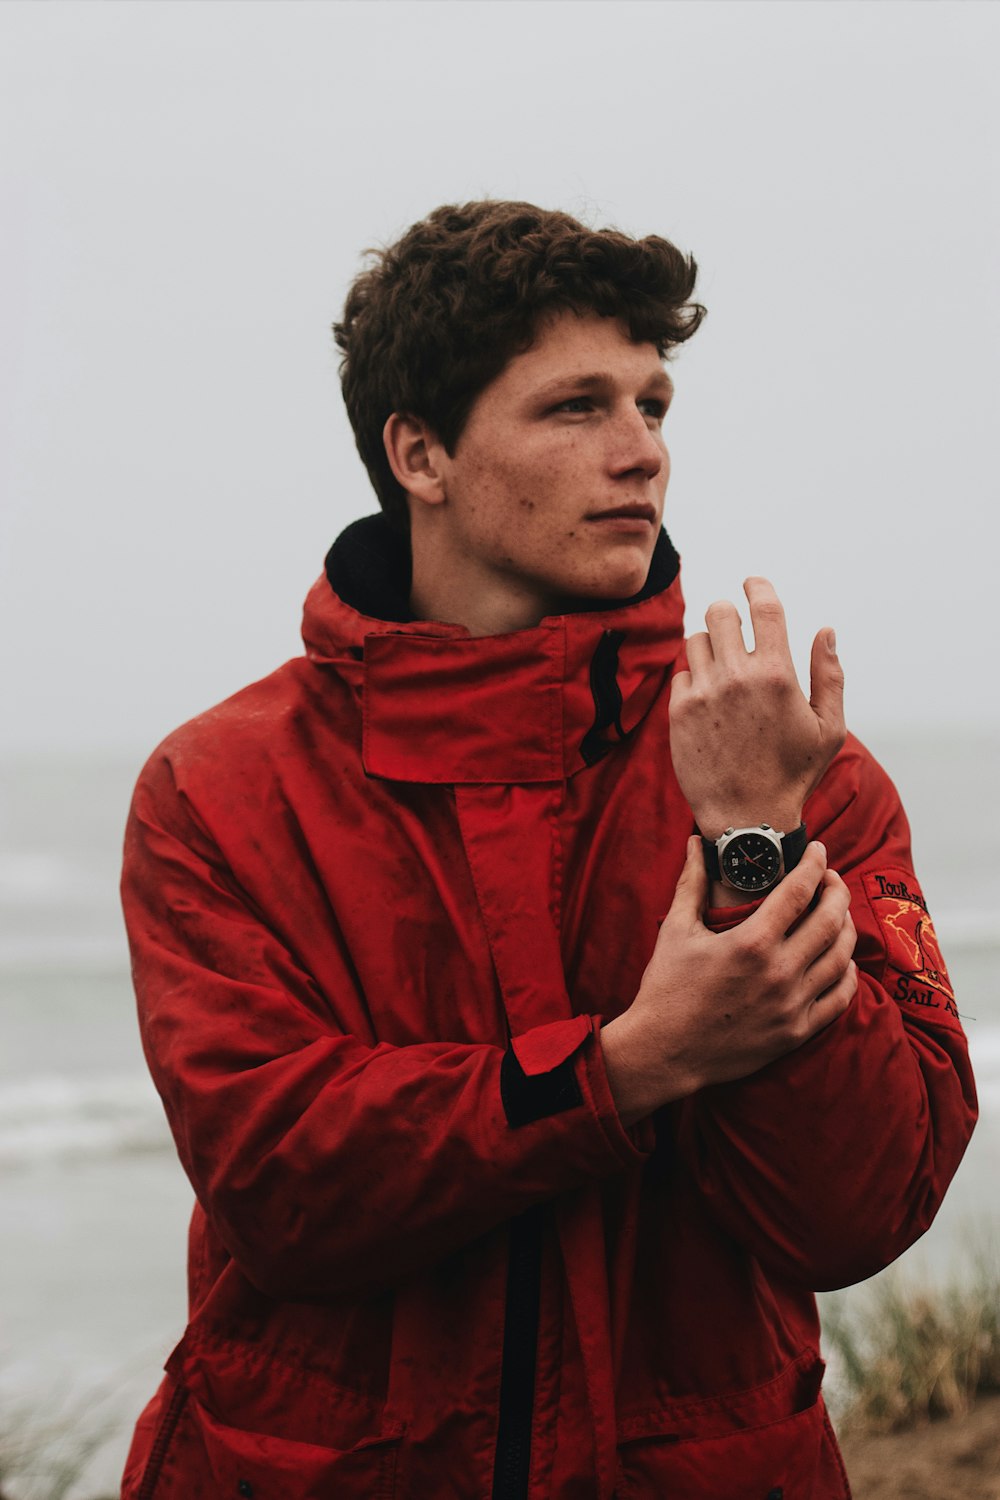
column 916, row 975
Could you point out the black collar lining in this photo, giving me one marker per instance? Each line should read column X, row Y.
column 369, row 567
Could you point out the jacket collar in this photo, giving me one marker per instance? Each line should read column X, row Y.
column 442, row 706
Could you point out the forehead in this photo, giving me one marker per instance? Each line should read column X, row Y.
column 569, row 344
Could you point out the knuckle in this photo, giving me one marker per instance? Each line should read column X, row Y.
column 769, row 609
column 801, row 886
column 805, row 1023
column 776, row 678
column 829, row 926
column 753, row 945
column 844, row 994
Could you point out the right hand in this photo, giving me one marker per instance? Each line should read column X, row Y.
column 713, row 1007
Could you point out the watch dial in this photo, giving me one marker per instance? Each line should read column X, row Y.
column 751, row 862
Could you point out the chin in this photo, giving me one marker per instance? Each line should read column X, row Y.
column 617, row 582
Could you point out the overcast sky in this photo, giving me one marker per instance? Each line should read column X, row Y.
column 188, row 188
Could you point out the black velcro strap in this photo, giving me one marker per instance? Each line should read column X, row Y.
column 793, row 846
column 529, row 1097
column 711, row 853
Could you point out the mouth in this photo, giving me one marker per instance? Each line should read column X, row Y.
column 638, row 513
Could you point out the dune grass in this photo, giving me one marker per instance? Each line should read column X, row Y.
column 46, row 1456
column 905, row 1354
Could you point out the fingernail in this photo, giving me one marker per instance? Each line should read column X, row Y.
column 831, row 642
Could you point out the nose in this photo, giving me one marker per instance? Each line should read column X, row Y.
column 635, row 446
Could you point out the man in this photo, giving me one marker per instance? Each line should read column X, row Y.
column 503, row 1188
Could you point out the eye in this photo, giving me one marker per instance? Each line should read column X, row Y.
column 655, row 407
column 574, row 401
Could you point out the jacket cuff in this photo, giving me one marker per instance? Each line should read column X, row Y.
column 538, row 1076
column 549, row 1069
column 723, row 918
column 527, row 1098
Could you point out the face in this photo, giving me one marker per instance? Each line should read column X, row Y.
column 555, row 491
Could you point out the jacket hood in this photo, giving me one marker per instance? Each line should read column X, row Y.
column 442, row 706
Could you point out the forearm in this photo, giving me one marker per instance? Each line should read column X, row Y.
column 833, row 1159
column 830, row 1162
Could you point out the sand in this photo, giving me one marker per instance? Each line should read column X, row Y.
column 955, row 1459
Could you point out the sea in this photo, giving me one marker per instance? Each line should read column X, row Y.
column 93, row 1204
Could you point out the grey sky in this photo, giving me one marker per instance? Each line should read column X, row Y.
column 188, row 188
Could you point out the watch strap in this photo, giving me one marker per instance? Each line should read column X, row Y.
column 711, row 851
column 793, row 846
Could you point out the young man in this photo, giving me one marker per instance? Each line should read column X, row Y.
column 523, row 1120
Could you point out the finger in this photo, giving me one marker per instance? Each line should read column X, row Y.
column 767, row 617
column 725, row 631
column 833, row 963
column 826, row 686
column 822, row 926
column 700, row 656
column 692, row 886
column 834, row 1001
column 680, row 683
column 790, row 899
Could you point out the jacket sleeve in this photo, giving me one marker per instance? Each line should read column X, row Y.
column 327, row 1164
column 828, row 1163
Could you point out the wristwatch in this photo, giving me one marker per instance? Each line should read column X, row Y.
column 753, row 860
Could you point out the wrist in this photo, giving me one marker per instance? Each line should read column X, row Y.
column 783, row 817
column 640, row 1081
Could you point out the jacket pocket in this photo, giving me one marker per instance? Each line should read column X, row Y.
column 773, row 1442
column 256, row 1466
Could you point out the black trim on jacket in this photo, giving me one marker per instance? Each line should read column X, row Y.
column 369, row 567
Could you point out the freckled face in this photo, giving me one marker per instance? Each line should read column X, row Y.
column 556, row 487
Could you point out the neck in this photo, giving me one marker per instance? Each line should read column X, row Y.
column 448, row 587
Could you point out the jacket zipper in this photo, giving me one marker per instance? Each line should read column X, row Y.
column 161, row 1443
column 520, row 1345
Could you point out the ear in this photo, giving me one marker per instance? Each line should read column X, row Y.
column 415, row 455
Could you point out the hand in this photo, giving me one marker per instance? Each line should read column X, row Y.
column 717, row 1006
column 747, row 747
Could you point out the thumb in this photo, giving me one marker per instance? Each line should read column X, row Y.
column 692, row 886
column 826, row 686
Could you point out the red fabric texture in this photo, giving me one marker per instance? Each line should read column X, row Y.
column 348, row 889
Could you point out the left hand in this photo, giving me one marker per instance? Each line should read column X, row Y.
column 747, row 746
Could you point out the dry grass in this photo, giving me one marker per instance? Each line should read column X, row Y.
column 907, row 1354
column 44, row 1457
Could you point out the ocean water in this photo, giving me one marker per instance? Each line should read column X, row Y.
column 94, row 1206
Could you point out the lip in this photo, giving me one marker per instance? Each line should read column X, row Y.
column 637, row 515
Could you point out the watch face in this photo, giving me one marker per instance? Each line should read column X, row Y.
column 751, row 862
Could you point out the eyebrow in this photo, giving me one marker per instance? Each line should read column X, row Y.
column 658, row 381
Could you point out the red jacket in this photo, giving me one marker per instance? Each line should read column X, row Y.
column 379, row 905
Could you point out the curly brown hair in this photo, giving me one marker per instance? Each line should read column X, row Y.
column 440, row 313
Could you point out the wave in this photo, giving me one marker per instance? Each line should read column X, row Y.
column 86, row 1115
